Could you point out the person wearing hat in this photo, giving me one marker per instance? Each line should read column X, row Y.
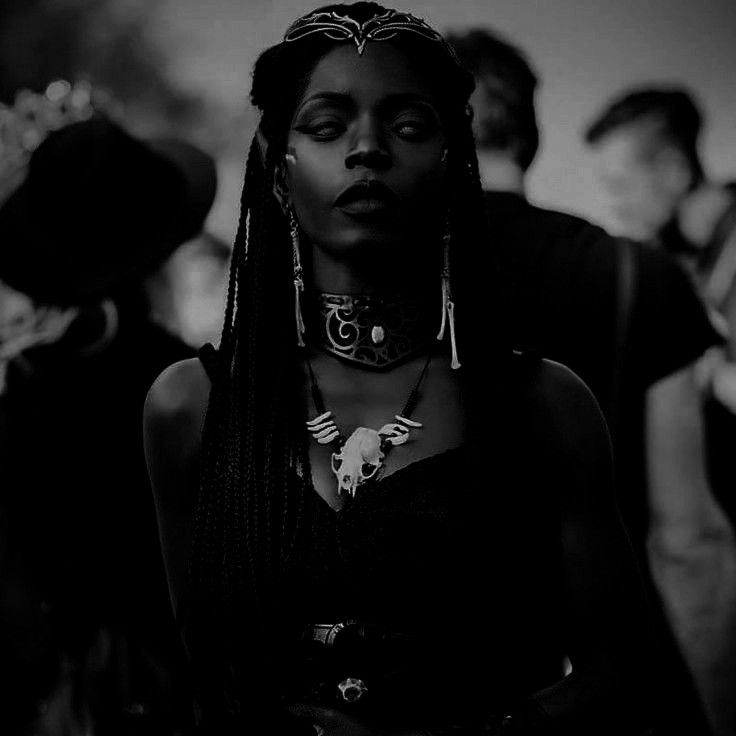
column 97, row 212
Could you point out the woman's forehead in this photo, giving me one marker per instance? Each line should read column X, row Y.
column 382, row 71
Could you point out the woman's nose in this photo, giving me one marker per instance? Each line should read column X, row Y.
column 368, row 149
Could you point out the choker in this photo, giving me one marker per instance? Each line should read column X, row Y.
column 372, row 331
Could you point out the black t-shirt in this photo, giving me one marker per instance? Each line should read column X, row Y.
column 560, row 288
column 560, row 279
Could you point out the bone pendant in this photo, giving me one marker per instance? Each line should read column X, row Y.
column 323, row 428
column 362, row 455
column 359, row 459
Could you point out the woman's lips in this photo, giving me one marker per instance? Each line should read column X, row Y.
column 366, row 198
column 366, row 206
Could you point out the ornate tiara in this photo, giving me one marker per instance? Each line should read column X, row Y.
column 33, row 116
column 343, row 28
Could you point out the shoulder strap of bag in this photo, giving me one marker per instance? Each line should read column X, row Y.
column 626, row 281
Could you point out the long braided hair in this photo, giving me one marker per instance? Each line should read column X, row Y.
column 252, row 502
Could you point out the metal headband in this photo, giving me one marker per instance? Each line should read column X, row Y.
column 343, row 28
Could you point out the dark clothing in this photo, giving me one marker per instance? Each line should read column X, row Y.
column 82, row 527
column 453, row 568
column 560, row 279
column 415, row 554
column 720, row 436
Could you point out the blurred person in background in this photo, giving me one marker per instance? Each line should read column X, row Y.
column 91, row 215
column 646, row 147
column 628, row 322
column 645, row 144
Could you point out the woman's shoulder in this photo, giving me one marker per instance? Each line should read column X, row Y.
column 177, row 400
column 561, row 401
column 565, row 430
column 557, row 383
column 173, row 419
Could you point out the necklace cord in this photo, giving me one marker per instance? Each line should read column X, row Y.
column 407, row 410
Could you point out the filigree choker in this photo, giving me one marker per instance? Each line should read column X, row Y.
column 372, row 331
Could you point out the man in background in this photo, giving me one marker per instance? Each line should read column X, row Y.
column 645, row 144
column 646, row 147
column 627, row 320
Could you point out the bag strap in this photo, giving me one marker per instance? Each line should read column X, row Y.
column 626, row 283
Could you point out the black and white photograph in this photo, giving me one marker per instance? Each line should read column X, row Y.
column 367, row 370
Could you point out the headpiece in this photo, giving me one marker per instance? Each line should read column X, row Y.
column 344, row 28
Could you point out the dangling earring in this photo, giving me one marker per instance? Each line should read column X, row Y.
column 298, row 276
column 448, row 305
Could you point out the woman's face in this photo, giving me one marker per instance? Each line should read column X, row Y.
column 364, row 164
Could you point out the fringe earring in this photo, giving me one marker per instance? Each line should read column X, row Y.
column 298, row 276
column 448, row 305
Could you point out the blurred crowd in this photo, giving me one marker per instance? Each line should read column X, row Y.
column 109, row 274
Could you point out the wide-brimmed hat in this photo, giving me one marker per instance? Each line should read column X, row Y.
column 98, row 209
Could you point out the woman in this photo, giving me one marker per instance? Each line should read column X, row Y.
column 382, row 541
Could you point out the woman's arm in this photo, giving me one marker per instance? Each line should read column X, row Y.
column 172, row 426
column 604, row 601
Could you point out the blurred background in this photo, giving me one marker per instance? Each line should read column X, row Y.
column 184, row 66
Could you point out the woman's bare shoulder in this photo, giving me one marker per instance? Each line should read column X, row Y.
column 179, row 393
column 557, row 382
column 561, row 398
column 172, row 430
column 175, row 408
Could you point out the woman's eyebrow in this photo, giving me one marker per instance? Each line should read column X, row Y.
column 339, row 98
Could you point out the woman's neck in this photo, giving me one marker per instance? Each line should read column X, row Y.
column 375, row 274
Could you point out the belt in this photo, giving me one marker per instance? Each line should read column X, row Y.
column 333, row 634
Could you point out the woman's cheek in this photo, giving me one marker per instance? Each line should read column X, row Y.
column 315, row 179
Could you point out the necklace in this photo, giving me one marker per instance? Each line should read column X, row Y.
column 372, row 331
column 361, row 457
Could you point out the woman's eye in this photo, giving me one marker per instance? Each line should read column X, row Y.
column 323, row 129
column 411, row 129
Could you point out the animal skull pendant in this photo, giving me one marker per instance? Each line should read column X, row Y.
column 359, row 460
column 362, row 455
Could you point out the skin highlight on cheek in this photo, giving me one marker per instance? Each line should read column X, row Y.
column 291, row 155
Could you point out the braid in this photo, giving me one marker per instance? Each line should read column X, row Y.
column 214, row 462
column 249, row 511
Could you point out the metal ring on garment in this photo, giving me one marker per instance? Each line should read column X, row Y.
column 327, row 633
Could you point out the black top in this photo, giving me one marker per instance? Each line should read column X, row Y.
column 560, row 282
column 458, row 578
column 453, row 569
column 561, row 287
